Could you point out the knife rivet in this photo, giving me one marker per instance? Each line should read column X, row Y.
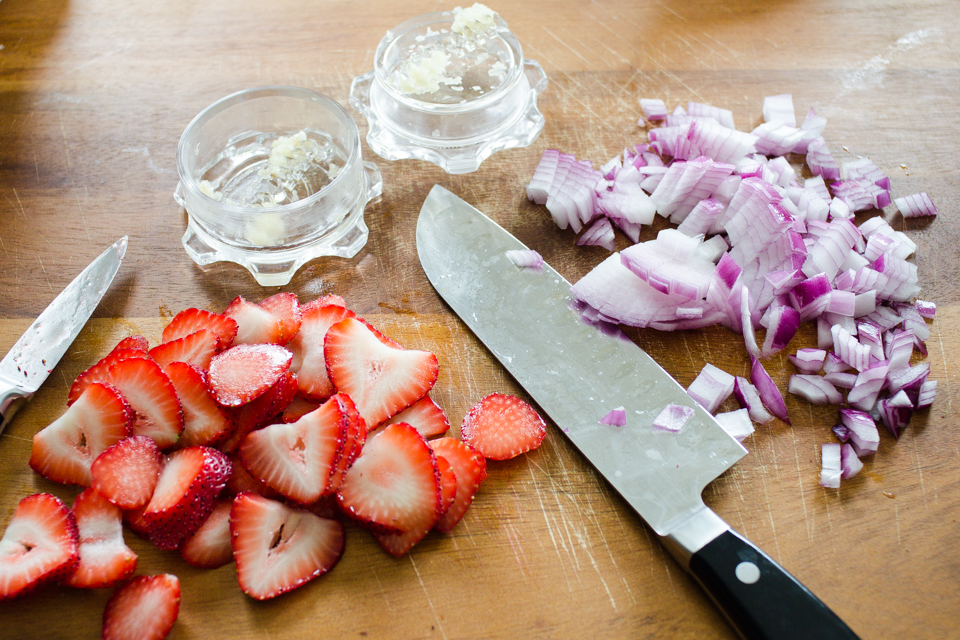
column 747, row 572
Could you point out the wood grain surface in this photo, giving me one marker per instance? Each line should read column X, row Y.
column 94, row 95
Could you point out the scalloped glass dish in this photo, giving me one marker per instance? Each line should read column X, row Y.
column 272, row 178
column 487, row 103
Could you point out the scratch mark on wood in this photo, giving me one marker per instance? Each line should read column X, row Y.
column 427, row 595
column 20, row 204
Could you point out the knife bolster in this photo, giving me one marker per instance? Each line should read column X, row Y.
column 694, row 534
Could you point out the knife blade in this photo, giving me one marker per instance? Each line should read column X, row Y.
column 39, row 349
column 577, row 373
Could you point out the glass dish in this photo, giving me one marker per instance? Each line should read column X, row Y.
column 271, row 178
column 460, row 125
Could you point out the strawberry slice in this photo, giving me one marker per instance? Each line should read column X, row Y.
column 260, row 412
column 322, row 301
column 285, row 307
column 192, row 320
column 425, row 416
column 142, row 608
column 240, row 481
column 255, row 325
column 204, row 421
column 297, row 459
column 105, row 559
column 470, row 469
column 448, row 485
column 382, row 380
column 64, row 450
column 307, row 349
column 98, row 372
column 151, row 395
column 39, row 545
column 185, row 495
column 278, row 548
column 210, row 547
column 393, row 487
column 127, row 472
column 298, row 407
column 133, row 342
column 243, row 373
column 198, row 349
column 502, row 426
column 356, row 436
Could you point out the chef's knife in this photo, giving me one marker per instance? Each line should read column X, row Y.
column 40, row 348
column 577, row 374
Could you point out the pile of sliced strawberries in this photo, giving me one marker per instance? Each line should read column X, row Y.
column 242, row 437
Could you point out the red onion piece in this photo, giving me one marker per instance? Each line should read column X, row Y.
column 808, row 360
column 617, row 417
column 737, row 423
column 895, row 413
column 915, row 205
column 749, row 399
column 673, row 417
column 723, row 116
column 711, row 387
column 849, row 462
column 821, row 161
column 849, row 349
column 927, row 309
column 779, row 107
column 830, row 467
column 867, row 387
column 928, row 392
column 841, row 379
column 842, row 432
column 767, row 389
column 814, row 389
column 653, row 109
column 525, row 258
column 864, row 435
column 599, row 234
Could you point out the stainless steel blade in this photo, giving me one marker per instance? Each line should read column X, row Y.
column 40, row 348
column 575, row 372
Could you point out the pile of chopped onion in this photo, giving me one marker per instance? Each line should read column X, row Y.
column 757, row 247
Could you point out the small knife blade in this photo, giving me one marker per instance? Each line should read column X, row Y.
column 577, row 373
column 39, row 349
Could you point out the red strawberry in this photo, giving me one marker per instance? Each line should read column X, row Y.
column 322, row 301
column 142, row 608
column 260, row 412
column 204, row 421
column 126, row 473
column 39, row 545
column 393, row 487
column 210, row 547
column 278, row 548
column 192, row 320
column 297, row 459
column 502, row 427
column 425, row 416
column 298, row 407
column 64, row 450
column 245, row 372
column 381, row 380
column 307, row 349
column 185, row 494
column 98, row 372
column 470, row 468
column 240, row 480
column 133, row 342
column 285, row 307
column 198, row 349
column 105, row 559
column 356, row 436
column 154, row 401
column 448, row 484
column 255, row 325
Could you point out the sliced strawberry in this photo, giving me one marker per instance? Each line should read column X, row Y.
column 151, row 395
column 133, row 518
column 127, row 472
column 185, row 494
column 133, row 342
column 322, row 301
column 204, row 421
column 98, row 372
column 382, row 380
column 240, row 481
column 39, row 545
column 198, row 349
column 297, row 459
column 142, row 608
column 105, row 559
column 394, row 485
column 470, row 468
column 261, row 412
column 307, row 348
column 192, row 320
column 425, row 416
column 243, row 373
column 502, row 427
column 355, row 438
column 298, row 407
column 255, row 325
column 285, row 307
column 448, row 484
column 64, row 450
column 278, row 548
column 210, row 547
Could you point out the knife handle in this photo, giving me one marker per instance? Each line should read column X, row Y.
column 11, row 399
column 759, row 597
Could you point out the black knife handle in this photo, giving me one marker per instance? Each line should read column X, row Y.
column 759, row 597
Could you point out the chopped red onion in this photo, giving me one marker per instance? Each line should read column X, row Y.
column 842, row 432
column 849, row 462
column 711, row 387
column 653, row 109
column 617, row 417
column 525, row 258
column 849, row 349
column 915, row 205
column 737, row 423
column 830, row 468
column 867, row 387
column 599, row 234
column 811, row 297
column 821, row 161
column 814, row 389
column 864, row 435
column 723, row 116
column 767, row 389
column 749, row 399
column 928, row 392
column 909, row 379
column 841, row 379
column 895, row 412
column 779, row 107
column 927, row 309
column 808, row 360
column 673, row 417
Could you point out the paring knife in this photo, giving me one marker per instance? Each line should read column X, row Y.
column 40, row 348
column 577, row 374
